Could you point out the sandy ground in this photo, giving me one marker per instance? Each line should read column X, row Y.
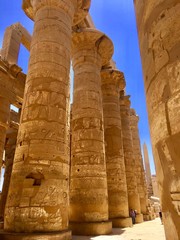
column 151, row 230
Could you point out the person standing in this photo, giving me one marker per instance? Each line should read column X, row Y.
column 132, row 214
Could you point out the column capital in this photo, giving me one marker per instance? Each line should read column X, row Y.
column 80, row 7
column 113, row 76
column 125, row 99
column 134, row 116
column 92, row 38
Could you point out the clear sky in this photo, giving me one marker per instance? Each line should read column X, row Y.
column 116, row 18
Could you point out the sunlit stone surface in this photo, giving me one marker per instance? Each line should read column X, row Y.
column 159, row 36
column 88, row 186
column 112, row 82
column 38, row 194
column 133, row 195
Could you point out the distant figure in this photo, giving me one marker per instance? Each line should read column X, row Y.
column 160, row 215
column 132, row 214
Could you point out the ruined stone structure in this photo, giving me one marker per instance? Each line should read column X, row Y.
column 147, row 170
column 97, row 161
column 159, row 37
column 13, row 37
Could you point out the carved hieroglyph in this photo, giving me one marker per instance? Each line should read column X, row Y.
column 88, row 187
column 140, row 174
column 112, row 82
column 133, row 195
column 38, row 195
column 159, row 36
column 4, row 119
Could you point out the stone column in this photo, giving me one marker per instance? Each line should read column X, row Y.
column 112, row 82
column 4, row 119
column 133, row 196
column 88, row 186
column 38, row 193
column 159, row 37
column 9, row 157
column 147, row 170
column 140, row 174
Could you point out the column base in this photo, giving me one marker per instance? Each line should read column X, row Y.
column 139, row 218
column 1, row 225
column 64, row 235
column 146, row 217
column 91, row 228
column 121, row 222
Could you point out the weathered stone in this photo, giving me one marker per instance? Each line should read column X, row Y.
column 112, row 82
column 10, row 146
column 133, row 195
column 158, row 21
column 88, row 187
column 63, row 235
column 148, row 170
column 139, row 169
column 38, row 194
column 13, row 37
column 4, row 120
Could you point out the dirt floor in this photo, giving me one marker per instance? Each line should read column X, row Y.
column 143, row 231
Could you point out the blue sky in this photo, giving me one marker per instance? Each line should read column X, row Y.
column 116, row 18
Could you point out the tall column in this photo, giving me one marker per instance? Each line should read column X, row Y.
column 148, row 170
column 88, row 187
column 133, row 196
column 9, row 157
column 4, row 119
column 159, row 38
column 38, row 193
column 112, row 82
column 140, row 174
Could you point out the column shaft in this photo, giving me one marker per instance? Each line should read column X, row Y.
column 4, row 118
column 88, row 186
column 133, row 196
column 159, row 38
column 140, row 175
column 9, row 157
column 38, row 194
column 148, row 170
column 112, row 80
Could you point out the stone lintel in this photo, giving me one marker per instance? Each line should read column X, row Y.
column 64, row 235
column 113, row 76
column 81, row 8
column 91, row 228
column 90, row 37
